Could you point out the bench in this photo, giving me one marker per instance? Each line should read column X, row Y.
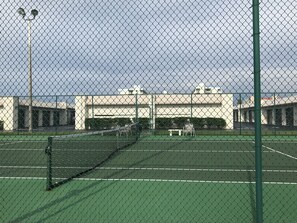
column 175, row 130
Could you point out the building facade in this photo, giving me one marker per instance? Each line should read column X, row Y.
column 14, row 113
column 276, row 111
column 154, row 106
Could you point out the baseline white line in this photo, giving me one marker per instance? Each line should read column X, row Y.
column 183, row 181
column 142, row 150
column 23, row 178
column 3, row 142
column 192, row 169
column 190, row 151
column 10, row 143
column 152, row 168
column 151, row 180
column 8, row 149
column 197, row 141
column 24, row 167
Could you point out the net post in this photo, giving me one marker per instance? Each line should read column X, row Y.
column 240, row 100
column 136, row 116
column 56, row 116
column 136, row 107
column 191, row 106
column 257, row 105
column 93, row 120
column 274, row 113
column 48, row 151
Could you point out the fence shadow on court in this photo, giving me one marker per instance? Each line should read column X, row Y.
column 80, row 192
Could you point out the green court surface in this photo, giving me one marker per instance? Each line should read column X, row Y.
column 142, row 201
column 157, row 179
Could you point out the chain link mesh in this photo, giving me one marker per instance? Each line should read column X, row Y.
column 137, row 111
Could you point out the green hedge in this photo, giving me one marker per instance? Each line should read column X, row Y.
column 144, row 123
column 108, row 123
column 215, row 123
column 1, row 125
column 161, row 123
column 199, row 123
column 105, row 123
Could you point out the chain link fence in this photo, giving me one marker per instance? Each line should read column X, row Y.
column 137, row 111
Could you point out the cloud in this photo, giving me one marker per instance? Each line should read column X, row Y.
column 97, row 47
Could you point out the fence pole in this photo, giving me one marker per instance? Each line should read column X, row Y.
column 257, row 104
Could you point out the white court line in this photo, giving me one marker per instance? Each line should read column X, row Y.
column 3, row 142
column 192, row 169
column 23, row 167
column 153, row 168
column 190, row 151
column 26, row 149
column 11, row 143
column 279, row 141
column 142, row 150
column 195, row 141
column 150, row 180
column 279, row 152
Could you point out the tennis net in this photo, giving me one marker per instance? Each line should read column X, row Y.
column 71, row 156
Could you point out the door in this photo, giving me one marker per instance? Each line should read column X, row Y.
column 46, row 119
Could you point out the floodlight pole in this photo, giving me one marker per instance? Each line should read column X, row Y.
column 34, row 13
column 30, row 77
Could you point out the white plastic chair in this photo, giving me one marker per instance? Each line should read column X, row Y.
column 189, row 129
column 125, row 130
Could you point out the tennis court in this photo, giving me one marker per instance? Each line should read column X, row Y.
column 171, row 172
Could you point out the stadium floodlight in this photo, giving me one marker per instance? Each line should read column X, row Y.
column 34, row 13
column 21, row 11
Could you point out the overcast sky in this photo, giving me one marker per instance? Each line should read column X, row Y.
column 97, row 47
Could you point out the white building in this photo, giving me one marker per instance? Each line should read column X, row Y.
column 136, row 89
column 201, row 89
column 277, row 111
column 154, row 106
column 14, row 113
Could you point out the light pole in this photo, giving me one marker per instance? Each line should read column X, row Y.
column 34, row 13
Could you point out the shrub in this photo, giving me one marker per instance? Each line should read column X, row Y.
column 180, row 121
column 163, row 123
column 198, row 123
column 221, row 123
column 105, row 123
column 144, row 123
column 215, row 123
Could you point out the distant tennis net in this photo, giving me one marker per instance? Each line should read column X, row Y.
column 71, row 156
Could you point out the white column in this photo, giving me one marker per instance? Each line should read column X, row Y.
column 227, row 110
column 9, row 113
column 63, row 117
column 152, row 108
column 40, row 116
column 283, row 116
column 51, row 118
column 295, row 116
column 80, row 112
